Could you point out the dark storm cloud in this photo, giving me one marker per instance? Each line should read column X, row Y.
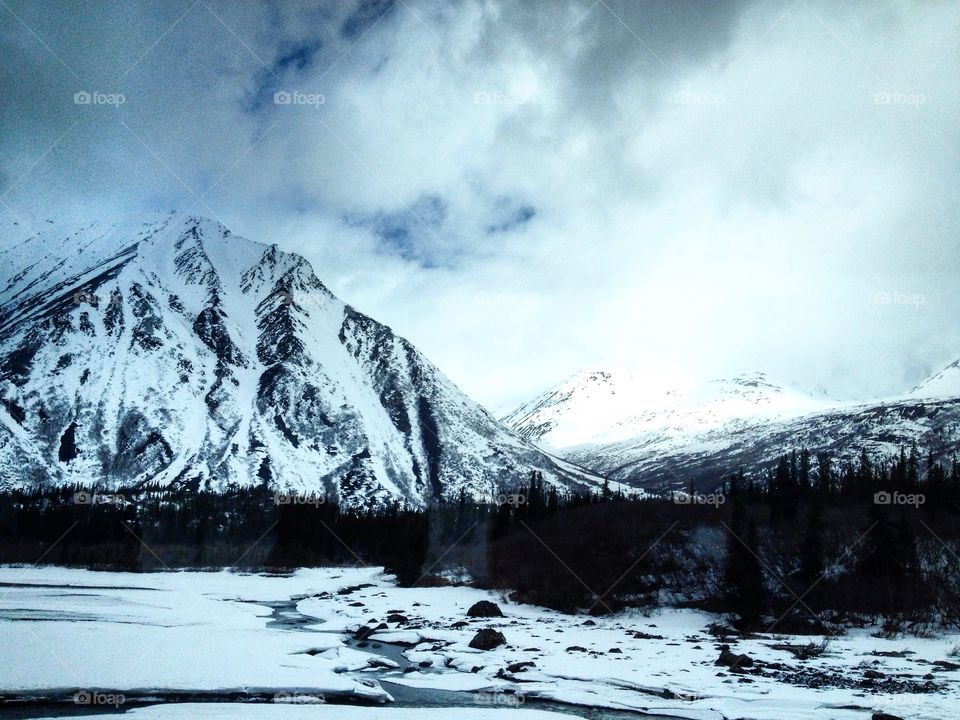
column 367, row 14
column 299, row 56
column 509, row 216
column 410, row 233
column 291, row 63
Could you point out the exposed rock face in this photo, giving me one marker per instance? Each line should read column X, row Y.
column 177, row 353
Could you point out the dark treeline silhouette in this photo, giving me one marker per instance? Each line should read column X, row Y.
column 804, row 545
column 800, row 546
column 149, row 528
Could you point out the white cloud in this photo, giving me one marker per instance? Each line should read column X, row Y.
column 710, row 193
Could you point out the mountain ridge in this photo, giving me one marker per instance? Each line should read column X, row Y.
column 175, row 352
column 668, row 439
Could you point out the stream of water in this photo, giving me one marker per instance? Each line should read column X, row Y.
column 285, row 616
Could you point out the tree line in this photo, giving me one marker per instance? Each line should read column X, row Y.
column 804, row 544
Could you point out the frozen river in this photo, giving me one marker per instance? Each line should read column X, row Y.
column 223, row 644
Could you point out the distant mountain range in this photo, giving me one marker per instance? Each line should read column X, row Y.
column 174, row 352
column 635, row 431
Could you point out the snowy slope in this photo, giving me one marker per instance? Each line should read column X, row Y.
column 622, row 425
column 944, row 384
column 173, row 351
column 603, row 406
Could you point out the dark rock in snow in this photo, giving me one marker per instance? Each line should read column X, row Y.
column 520, row 666
column 484, row 609
column 353, row 588
column 893, row 653
column 366, row 631
column 487, row 639
column 733, row 660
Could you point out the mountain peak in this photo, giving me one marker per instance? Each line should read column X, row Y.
column 943, row 384
column 601, row 405
column 175, row 352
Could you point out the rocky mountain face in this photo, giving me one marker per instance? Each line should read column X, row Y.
column 624, row 426
column 177, row 353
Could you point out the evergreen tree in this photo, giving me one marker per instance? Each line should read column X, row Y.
column 804, row 472
column 812, row 562
column 743, row 575
column 824, row 474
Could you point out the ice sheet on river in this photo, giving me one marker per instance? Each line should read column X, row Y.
column 224, row 632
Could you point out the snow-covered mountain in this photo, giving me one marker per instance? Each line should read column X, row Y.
column 175, row 352
column 599, row 406
column 628, row 427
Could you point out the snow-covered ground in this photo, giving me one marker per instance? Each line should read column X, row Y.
column 220, row 711
column 285, row 640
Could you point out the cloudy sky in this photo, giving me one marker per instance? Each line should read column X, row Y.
column 522, row 189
